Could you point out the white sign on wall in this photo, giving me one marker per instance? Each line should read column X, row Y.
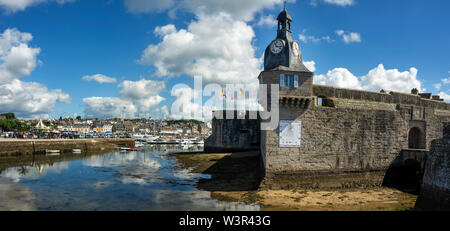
column 290, row 134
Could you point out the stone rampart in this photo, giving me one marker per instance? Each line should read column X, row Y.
column 435, row 190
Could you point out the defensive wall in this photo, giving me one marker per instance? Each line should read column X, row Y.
column 435, row 190
column 353, row 131
column 229, row 135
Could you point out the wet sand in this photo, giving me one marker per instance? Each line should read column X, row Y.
column 237, row 178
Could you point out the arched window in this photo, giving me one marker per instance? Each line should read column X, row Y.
column 416, row 139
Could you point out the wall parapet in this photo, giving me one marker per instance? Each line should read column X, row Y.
column 392, row 97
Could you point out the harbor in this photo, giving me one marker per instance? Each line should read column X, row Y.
column 168, row 177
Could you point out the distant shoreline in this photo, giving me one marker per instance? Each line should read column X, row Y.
column 38, row 146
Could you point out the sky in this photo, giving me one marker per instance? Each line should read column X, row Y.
column 138, row 58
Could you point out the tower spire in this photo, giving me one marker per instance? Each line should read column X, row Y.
column 284, row 4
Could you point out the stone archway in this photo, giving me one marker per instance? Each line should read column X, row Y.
column 416, row 139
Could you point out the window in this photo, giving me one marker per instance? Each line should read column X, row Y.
column 320, row 101
column 282, row 80
column 296, row 81
column 289, row 81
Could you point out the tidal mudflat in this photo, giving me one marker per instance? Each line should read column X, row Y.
column 236, row 178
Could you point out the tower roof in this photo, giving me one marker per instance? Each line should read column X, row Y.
column 284, row 16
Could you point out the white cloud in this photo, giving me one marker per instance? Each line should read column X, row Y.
column 218, row 48
column 238, row 9
column 338, row 77
column 268, row 20
column 99, row 78
column 12, row 6
column 309, row 38
column 136, row 100
column 444, row 96
column 311, row 65
column 29, row 99
column 446, row 81
column 377, row 79
column 18, row 59
column 163, row 112
column 335, row 2
column 106, row 107
column 437, row 86
column 393, row 80
column 351, row 37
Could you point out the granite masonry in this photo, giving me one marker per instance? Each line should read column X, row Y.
column 435, row 190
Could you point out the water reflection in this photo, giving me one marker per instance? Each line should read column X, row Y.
column 143, row 180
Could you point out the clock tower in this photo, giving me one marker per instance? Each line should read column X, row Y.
column 283, row 63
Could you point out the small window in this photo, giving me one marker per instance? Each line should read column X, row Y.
column 320, row 101
column 289, row 81
column 324, row 102
column 282, row 80
column 296, row 81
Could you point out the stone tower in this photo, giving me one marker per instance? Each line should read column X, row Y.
column 283, row 63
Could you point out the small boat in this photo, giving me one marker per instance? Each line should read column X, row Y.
column 186, row 142
column 52, row 151
column 76, row 151
column 128, row 149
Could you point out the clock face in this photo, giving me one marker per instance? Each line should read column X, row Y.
column 277, row 46
column 295, row 48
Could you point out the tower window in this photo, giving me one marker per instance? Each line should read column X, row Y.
column 289, row 81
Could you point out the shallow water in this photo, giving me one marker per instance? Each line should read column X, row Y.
column 143, row 180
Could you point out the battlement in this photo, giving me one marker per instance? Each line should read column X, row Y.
column 392, row 97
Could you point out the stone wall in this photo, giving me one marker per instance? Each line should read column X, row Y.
column 435, row 190
column 447, row 130
column 28, row 147
column 354, row 135
column 392, row 97
column 234, row 134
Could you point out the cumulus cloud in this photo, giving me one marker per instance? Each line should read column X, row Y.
column 18, row 59
column 309, row 38
column 437, row 86
column 238, row 9
column 268, row 20
column 99, row 78
column 29, row 99
column 444, row 96
column 446, row 81
column 136, row 100
column 12, row 6
column 163, row 112
column 349, row 37
column 334, row 2
column 218, row 48
column 106, row 107
column 377, row 79
column 338, row 77
column 311, row 65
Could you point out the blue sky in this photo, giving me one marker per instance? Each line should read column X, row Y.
column 343, row 41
